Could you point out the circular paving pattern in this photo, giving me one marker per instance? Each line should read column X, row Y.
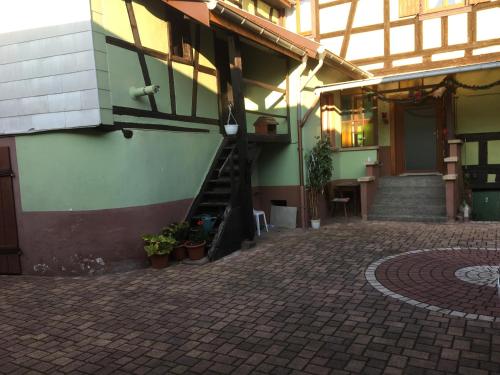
column 453, row 281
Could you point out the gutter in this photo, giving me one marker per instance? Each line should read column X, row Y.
column 300, row 122
column 231, row 16
column 406, row 76
column 224, row 11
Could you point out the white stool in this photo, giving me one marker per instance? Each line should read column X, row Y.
column 257, row 213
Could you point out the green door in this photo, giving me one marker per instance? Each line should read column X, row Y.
column 420, row 139
column 486, row 205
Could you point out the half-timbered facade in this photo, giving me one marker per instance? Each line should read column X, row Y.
column 436, row 77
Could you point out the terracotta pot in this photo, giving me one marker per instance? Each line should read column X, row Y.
column 180, row 252
column 159, row 261
column 195, row 251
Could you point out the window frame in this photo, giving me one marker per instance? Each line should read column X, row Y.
column 357, row 119
column 423, row 9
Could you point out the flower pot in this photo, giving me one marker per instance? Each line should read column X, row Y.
column 159, row 261
column 180, row 251
column 315, row 223
column 196, row 251
column 231, row 129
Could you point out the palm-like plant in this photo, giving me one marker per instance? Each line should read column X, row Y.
column 319, row 164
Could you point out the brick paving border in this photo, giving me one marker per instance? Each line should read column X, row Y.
column 380, row 284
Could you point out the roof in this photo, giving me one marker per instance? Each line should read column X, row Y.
column 262, row 31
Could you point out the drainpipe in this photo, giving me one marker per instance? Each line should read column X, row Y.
column 302, row 67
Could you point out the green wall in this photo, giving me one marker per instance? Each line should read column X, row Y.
column 61, row 172
column 351, row 164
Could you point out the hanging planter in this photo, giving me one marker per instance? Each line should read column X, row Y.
column 231, row 126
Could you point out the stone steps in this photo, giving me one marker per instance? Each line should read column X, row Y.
column 410, row 198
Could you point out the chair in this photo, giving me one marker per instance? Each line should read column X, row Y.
column 257, row 215
column 341, row 200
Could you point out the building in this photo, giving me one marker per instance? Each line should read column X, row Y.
column 91, row 161
column 436, row 82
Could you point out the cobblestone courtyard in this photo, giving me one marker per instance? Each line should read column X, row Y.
column 298, row 303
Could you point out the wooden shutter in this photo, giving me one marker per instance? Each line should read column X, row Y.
column 408, row 8
column 9, row 251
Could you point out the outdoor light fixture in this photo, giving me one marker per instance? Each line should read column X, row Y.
column 143, row 91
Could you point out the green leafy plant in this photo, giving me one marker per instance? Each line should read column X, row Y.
column 179, row 231
column 158, row 244
column 319, row 164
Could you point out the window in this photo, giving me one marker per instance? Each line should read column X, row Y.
column 359, row 121
column 180, row 36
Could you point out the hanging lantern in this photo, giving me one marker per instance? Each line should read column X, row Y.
column 231, row 126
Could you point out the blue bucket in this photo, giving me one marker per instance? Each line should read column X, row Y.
column 208, row 222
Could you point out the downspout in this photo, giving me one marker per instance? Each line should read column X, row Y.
column 302, row 67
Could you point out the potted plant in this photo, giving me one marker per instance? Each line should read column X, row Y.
column 158, row 247
column 179, row 231
column 231, row 126
column 195, row 245
column 319, row 164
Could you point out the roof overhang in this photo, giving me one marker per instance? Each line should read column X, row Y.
column 403, row 77
column 263, row 32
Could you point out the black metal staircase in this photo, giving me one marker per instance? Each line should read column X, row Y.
column 225, row 196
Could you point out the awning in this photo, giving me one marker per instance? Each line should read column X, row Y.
column 405, row 76
column 263, row 32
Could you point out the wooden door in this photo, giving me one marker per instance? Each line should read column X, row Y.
column 9, row 245
column 419, row 137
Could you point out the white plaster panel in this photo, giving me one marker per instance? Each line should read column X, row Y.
column 369, row 12
column 457, row 29
column 402, row 39
column 333, row 44
column 488, row 24
column 364, row 45
column 432, row 33
column 333, row 18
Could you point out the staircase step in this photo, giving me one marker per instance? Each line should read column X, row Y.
column 417, row 218
column 410, row 198
column 406, row 210
column 217, row 193
column 221, row 180
column 411, row 181
column 213, row 204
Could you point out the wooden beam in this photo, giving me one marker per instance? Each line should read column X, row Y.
column 387, row 33
column 428, row 52
column 347, row 35
column 315, row 20
column 118, row 125
column 127, row 111
column 140, row 54
column 444, row 31
column 196, row 63
column 364, row 29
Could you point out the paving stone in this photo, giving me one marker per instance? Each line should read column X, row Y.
column 299, row 302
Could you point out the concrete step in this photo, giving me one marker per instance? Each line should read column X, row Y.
column 405, row 210
column 411, row 181
column 389, row 199
column 408, row 218
column 410, row 198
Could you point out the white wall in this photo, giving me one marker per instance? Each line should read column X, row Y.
column 47, row 66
